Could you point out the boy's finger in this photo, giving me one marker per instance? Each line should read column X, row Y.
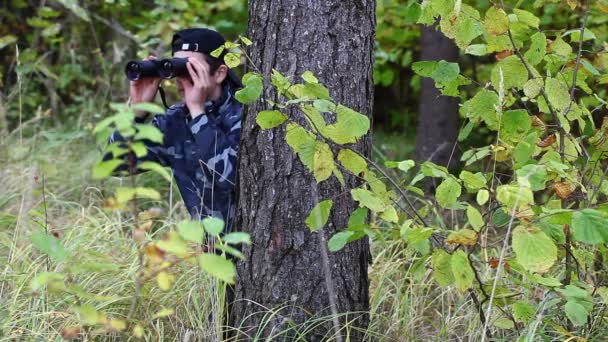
column 193, row 74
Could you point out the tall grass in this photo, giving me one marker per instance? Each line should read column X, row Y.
column 405, row 303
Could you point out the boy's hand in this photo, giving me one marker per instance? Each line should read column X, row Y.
column 197, row 90
column 144, row 89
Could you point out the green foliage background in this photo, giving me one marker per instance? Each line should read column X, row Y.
column 510, row 247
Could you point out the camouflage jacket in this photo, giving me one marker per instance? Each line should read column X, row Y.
column 202, row 153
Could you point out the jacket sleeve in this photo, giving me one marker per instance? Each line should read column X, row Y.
column 217, row 141
column 155, row 152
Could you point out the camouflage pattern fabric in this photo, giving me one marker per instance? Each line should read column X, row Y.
column 202, row 153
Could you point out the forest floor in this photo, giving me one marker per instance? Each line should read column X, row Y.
column 45, row 186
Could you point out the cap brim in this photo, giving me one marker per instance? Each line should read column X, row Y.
column 234, row 79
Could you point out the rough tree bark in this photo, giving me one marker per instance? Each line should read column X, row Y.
column 334, row 39
column 437, row 115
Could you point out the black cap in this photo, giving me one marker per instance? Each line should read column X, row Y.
column 204, row 41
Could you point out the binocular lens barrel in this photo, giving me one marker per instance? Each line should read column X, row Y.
column 164, row 68
column 136, row 70
column 174, row 67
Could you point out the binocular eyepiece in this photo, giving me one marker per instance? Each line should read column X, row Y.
column 163, row 68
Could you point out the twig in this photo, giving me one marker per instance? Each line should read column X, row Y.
column 568, row 276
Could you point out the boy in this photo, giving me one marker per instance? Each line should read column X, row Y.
column 201, row 134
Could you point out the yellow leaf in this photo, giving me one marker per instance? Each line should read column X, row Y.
column 116, row 325
column 163, row 313
column 154, row 254
column 138, row 331
column 465, row 237
column 165, row 280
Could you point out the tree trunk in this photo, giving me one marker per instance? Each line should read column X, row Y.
column 285, row 264
column 437, row 115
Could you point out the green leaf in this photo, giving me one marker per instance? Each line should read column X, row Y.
column 475, row 218
column 147, row 193
column 213, row 225
column 88, row 315
column 477, row 50
column 443, row 7
column 270, row 118
column 352, row 161
column 575, row 292
column 527, row 18
column 509, row 195
column 191, row 231
column 309, row 77
column 339, row 240
column 309, row 91
column 558, row 94
column 576, row 312
column 533, row 87
column 357, row 219
column 124, row 194
column 538, row 48
column 324, row 106
column 390, row 214
column 472, row 181
column 232, row 60
column 317, row 218
column 368, row 199
column 52, row 280
column 463, row 273
column 7, row 40
column 349, row 127
column 217, row 52
column 245, row 40
column 523, row 311
column 560, row 47
column 445, row 72
column 448, row 192
column 466, row 29
column 148, row 132
column 482, row 107
column 534, row 176
column 152, row 166
column 431, row 169
column 49, row 245
column 252, row 84
column 424, row 68
column 174, row 244
column 218, row 266
column 148, row 107
column 465, row 131
column 238, row 238
column 496, row 21
column 516, row 123
column 323, row 161
column 104, row 169
column 534, row 250
column 482, row 196
column 575, row 35
column 279, row 81
column 297, row 137
column 514, row 73
column 589, row 68
column 73, row 6
column 442, row 267
column 590, row 226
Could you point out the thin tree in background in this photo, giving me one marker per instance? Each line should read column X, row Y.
column 438, row 120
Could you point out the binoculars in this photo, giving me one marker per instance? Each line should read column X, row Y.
column 163, row 68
